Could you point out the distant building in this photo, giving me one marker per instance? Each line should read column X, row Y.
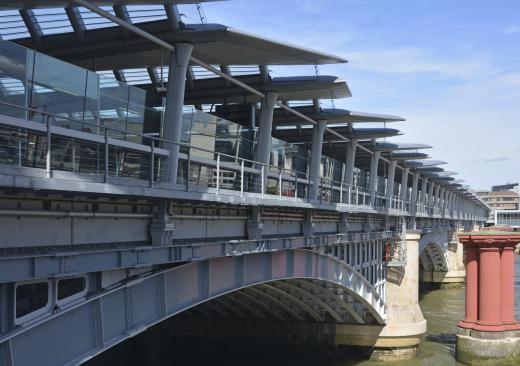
column 504, row 201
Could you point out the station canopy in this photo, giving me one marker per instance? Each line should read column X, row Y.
column 79, row 36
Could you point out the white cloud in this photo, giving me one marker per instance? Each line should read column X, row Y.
column 415, row 61
column 512, row 29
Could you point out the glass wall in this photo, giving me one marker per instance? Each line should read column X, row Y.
column 285, row 155
column 208, row 132
column 72, row 97
column 75, row 98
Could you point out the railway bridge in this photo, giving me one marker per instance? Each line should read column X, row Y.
column 151, row 168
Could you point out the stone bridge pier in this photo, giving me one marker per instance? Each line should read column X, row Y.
column 400, row 338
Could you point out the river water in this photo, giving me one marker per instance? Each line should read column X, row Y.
column 443, row 309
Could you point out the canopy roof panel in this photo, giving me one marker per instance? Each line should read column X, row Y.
column 304, row 134
column 217, row 90
column 385, row 146
column 112, row 48
column 408, row 155
column 424, row 165
column 333, row 116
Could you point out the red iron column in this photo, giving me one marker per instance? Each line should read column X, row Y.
column 471, row 288
column 489, row 291
column 507, row 288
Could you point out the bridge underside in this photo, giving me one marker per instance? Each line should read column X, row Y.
column 299, row 285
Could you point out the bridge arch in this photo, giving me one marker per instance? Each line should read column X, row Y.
column 288, row 284
column 433, row 251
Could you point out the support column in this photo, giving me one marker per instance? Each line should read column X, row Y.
column 495, row 334
column 315, row 164
column 404, row 184
column 423, row 191
column 507, row 288
column 374, row 163
column 430, row 194
column 390, row 183
column 264, row 140
column 415, row 193
column 178, row 66
column 442, row 200
column 471, row 288
column 265, row 129
column 437, row 197
column 489, row 291
column 349, row 162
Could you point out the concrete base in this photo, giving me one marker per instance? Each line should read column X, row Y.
column 475, row 347
column 392, row 342
column 453, row 277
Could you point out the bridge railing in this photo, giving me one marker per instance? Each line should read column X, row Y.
column 107, row 153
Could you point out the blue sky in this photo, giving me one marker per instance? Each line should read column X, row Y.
column 451, row 68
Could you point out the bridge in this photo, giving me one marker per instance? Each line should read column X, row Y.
column 150, row 168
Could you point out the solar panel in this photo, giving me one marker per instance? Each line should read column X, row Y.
column 201, row 73
column 136, row 76
column 95, row 21
column 12, row 25
column 145, row 13
column 107, row 79
column 53, row 21
column 239, row 70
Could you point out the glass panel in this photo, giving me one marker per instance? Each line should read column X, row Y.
column 70, row 154
column 128, row 163
column 15, row 67
column 34, row 149
column 31, row 297
column 70, row 287
column 113, row 106
column 22, row 148
column 205, row 131
column 61, row 89
column 144, row 115
column 285, row 155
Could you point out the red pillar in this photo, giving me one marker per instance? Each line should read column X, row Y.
column 471, row 288
column 489, row 291
column 507, row 288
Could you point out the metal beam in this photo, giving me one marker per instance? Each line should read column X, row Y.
column 77, row 23
column 32, row 26
column 172, row 12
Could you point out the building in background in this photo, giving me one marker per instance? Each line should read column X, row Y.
column 504, row 201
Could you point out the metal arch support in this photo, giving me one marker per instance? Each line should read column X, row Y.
column 235, row 298
column 290, row 287
column 277, row 302
column 214, row 308
column 230, row 308
column 258, row 303
column 293, row 299
column 342, row 303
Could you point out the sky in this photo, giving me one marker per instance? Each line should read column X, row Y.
column 451, row 68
